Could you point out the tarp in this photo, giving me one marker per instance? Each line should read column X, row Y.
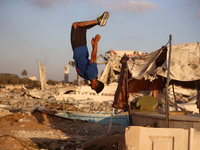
column 145, row 70
column 144, row 66
column 184, row 65
column 185, row 62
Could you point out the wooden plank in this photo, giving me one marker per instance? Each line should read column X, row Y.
column 173, row 113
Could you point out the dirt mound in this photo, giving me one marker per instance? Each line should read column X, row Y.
column 113, row 142
column 12, row 118
column 11, row 143
column 47, row 131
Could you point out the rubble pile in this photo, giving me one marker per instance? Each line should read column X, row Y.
column 21, row 99
column 26, row 121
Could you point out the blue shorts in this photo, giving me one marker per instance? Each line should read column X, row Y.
column 83, row 67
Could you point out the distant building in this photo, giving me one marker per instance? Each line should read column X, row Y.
column 66, row 74
column 33, row 78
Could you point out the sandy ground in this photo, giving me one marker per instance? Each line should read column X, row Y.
column 24, row 131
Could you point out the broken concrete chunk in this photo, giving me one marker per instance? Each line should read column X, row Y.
column 39, row 94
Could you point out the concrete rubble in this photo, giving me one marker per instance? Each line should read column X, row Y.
column 18, row 98
column 27, row 119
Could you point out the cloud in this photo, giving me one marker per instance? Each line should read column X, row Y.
column 128, row 5
column 195, row 5
column 198, row 13
column 45, row 3
column 111, row 5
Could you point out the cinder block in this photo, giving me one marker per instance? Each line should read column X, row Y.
column 143, row 138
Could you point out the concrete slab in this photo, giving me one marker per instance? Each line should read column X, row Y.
column 143, row 138
column 194, row 139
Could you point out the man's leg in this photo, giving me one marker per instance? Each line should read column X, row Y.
column 79, row 29
column 85, row 24
column 78, row 33
column 101, row 21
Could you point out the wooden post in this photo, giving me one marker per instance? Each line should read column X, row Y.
column 41, row 78
column 44, row 76
column 78, row 80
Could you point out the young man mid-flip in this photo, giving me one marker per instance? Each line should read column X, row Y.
column 86, row 68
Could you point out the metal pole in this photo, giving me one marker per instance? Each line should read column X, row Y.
column 126, row 93
column 167, row 85
column 112, row 114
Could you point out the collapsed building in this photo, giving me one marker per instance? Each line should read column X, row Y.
column 130, row 76
column 148, row 73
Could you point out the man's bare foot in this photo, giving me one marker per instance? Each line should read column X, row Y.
column 95, row 39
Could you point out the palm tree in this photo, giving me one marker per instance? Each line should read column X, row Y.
column 24, row 73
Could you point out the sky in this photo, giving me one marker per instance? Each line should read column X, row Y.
column 32, row 30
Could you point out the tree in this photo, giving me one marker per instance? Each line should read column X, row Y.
column 6, row 78
column 24, row 73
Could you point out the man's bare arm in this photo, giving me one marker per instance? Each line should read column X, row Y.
column 94, row 42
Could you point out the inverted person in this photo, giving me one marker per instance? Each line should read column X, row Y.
column 86, row 68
